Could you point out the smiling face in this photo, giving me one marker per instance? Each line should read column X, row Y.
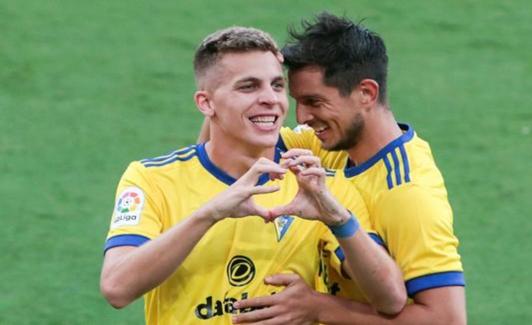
column 337, row 120
column 247, row 98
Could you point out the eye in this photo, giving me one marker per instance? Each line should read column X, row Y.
column 278, row 85
column 312, row 102
column 247, row 87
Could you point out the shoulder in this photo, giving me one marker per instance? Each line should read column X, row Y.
column 146, row 172
column 179, row 155
column 414, row 206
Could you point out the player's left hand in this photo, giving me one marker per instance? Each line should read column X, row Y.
column 294, row 305
column 313, row 199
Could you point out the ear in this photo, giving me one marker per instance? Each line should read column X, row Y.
column 368, row 91
column 203, row 103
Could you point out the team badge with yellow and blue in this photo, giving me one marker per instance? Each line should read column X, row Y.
column 282, row 224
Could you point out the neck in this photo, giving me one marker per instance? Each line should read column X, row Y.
column 233, row 157
column 380, row 129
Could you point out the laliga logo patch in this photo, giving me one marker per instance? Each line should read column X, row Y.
column 128, row 207
column 240, row 271
column 282, row 224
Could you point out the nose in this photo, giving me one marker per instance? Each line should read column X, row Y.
column 269, row 96
column 303, row 116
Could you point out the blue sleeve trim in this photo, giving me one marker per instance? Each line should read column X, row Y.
column 124, row 240
column 435, row 280
column 339, row 253
column 378, row 239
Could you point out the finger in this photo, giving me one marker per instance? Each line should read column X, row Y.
column 283, row 210
column 261, row 189
column 261, row 169
column 307, row 161
column 292, row 153
column 274, row 176
column 262, row 166
column 282, row 279
column 313, row 171
column 256, row 302
column 257, row 315
column 272, row 321
column 262, row 212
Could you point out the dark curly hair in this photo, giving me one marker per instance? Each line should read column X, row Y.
column 347, row 52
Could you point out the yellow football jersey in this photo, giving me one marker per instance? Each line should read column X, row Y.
column 407, row 203
column 232, row 259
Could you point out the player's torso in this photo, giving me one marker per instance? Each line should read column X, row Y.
column 232, row 259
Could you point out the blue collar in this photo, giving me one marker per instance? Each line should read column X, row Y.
column 408, row 134
column 223, row 176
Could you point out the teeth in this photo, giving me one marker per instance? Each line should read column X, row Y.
column 266, row 120
column 320, row 129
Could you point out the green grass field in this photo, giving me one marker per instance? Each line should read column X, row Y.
column 87, row 86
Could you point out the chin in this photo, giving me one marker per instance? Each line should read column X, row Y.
column 333, row 146
column 266, row 142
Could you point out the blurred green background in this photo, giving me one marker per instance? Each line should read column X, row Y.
column 88, row 86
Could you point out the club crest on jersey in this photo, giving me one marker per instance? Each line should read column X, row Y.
column 282, row 224
column 128, row 207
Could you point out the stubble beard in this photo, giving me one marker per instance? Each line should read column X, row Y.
column 352, row 136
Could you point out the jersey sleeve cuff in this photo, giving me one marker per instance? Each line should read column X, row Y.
column 125, row 240
column 435, row 280
column 378, row 239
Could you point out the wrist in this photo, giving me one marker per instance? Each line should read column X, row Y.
column 322, row 309
column 209, row 215
column 347, row 228
column 316, row 301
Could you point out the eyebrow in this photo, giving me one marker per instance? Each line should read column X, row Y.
column 254, row 79
column 247, row 79
column 308, row 97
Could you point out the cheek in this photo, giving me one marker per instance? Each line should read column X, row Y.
column 284, row 104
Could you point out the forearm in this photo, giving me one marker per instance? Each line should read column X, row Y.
column 445, row 306
column 375, row 272
column 127, row 276
column 339, row 311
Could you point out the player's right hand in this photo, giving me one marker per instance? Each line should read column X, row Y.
column 237, row 200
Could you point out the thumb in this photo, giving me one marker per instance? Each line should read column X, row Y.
column 261, row 189
column 282, row 279
column 288, row 209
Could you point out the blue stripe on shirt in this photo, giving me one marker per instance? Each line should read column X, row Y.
column 435, row 280
column 125, row 240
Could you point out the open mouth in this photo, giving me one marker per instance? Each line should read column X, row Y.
column 320, row 129
column 264, row 121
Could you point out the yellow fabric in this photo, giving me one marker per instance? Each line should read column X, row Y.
column 232, row 259
column 407, row 203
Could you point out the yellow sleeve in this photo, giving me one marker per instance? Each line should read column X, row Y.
column 304, row 137
column 417, row 228
column 137, row 211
